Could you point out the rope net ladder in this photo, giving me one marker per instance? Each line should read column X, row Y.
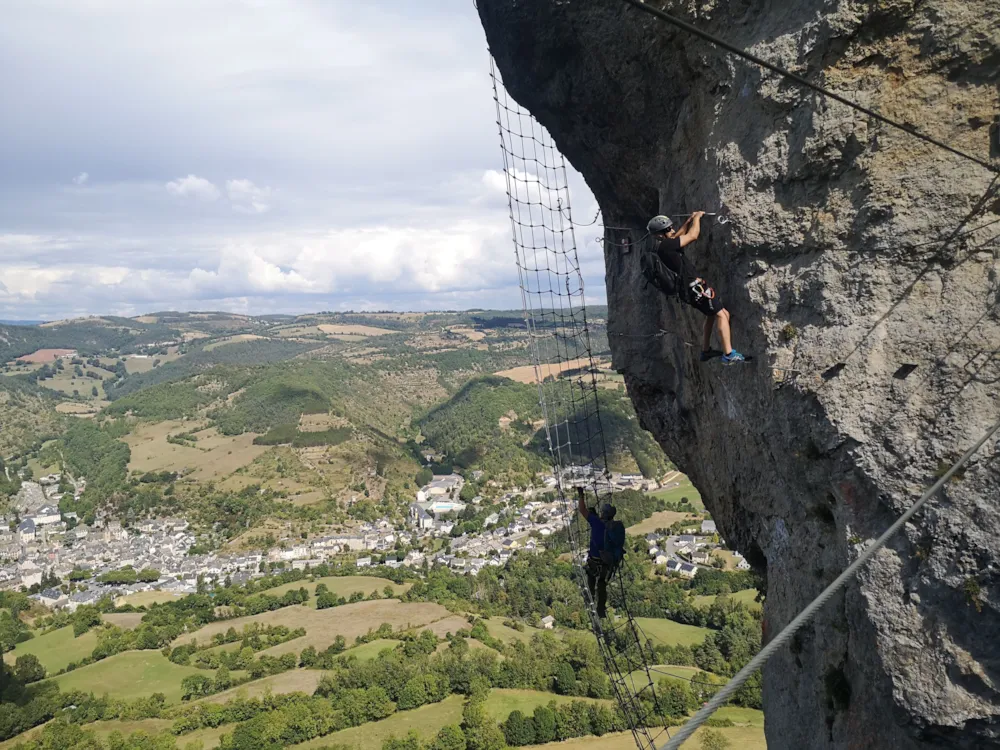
column 555, row 315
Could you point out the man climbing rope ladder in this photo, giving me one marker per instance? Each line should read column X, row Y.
column 607, row 548
column 670, row 271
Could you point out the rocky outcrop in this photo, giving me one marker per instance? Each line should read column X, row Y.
column 856, row 254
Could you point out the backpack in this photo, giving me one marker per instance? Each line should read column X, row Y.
column 614, row 545
column 659, row 275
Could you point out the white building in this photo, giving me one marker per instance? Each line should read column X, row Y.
column 26, row 531
column 363, row 562
column 548, row 622
column 47, row 514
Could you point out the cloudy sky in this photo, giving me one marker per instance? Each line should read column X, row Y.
column 254, row 156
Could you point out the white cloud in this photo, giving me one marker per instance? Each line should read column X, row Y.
column 193, row 186
column 247, row 198
column 351, row 205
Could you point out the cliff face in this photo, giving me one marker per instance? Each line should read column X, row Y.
column 835, row 266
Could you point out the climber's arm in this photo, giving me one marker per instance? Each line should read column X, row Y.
column 581, row 504
column 691, row 229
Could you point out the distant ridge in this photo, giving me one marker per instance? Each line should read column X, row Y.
column 22, row 322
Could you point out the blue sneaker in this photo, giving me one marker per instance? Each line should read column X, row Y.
column 733, row 358
column 709, row 354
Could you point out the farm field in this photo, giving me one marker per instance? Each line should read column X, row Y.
column 526, row 373
column 131, row 674
column 346, row 329
column 135, row 364
column 208, row 738
column 662, row 519
column 662, row 670
column 66, row 383
column 500, row 703
column 747, row 597
column 150, row 726
column 295, row 681
column 509, row 635
column 671, row 633
column 685, row 489
column 426, row 720
column 125, row 620
column 452, row 624
column 215, row 457
column 342, row 586
column 740, row 738
column 240, row 338
column 46, row 356
column 145, row 598
column 368, row 651
column 323, row 626
column 56, row 649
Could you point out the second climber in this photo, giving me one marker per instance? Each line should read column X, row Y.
column 691, row 288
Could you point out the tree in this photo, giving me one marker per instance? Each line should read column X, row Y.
column 94, row 392
column 222, row 678
column 545, row 725
column 424, row 476
column 308, row 656
column 195, row 686
column 714, row 740
column 10, row 630
column 565, row 679
column 413, row 694
column 450, row 737
column 29, row 669
column 519, row 730
column 410, row 742
column 675, row 698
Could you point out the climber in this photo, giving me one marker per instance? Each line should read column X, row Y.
column 607, row 547
column 693, row 289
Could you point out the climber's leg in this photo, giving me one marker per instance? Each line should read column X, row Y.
column 592, row 575
column 602, row 595
column 724, row 332
column 706, row 340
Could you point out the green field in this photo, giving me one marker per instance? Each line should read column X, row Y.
column 370, row 650
column 132, row 674
column 509, row 635
column 659, row 671
column 741, row 716
column 341, row 586
column 671, row 633
column 686, row 489
column 426, row 720
column 293, row 681
column 502, row 702
column 56, row 649
column 746, row 596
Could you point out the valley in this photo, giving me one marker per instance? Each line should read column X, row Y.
column 274, row 517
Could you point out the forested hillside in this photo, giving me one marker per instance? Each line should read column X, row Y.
column 496, row 425
column 88, row 336
column 27, row 415
column 281, row 416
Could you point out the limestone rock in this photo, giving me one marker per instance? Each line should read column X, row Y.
column 835, row 267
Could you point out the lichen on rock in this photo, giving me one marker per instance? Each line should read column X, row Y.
column 860, row 261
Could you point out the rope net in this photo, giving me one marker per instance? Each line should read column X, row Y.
column 561, row 343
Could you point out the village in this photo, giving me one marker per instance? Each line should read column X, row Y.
column 62, row 562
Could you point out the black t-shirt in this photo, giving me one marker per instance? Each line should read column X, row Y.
column 673, row 257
